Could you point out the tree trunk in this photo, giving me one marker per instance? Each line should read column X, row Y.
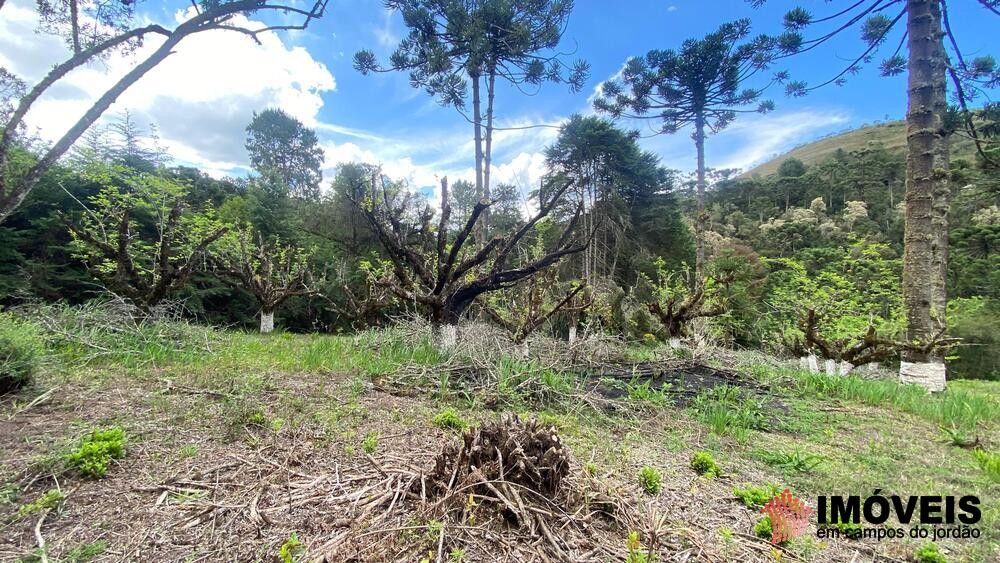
column 925, row 228
column 488, row 153
column 699, row 221
column 477, row 127
column 813, row 363
column 445, row 337
column 266, row 321
column 572, row 332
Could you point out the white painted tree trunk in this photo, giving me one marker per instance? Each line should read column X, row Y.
column 447, row 338
column 813, row 363
column 266, row 321
column 929, row 375
column 675, row 342
column 804, row 363
column 872, row 367
column 522, row 349
column 845, row 368
column 572, row 334
column 830, row 367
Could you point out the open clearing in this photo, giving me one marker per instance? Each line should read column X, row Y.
column 256, row 448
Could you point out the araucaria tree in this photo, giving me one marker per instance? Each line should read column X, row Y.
column 455, row 45
column 272, row 273
column 701, row 86
column 281, row 145
column 139, row 237
column 443, row 272
column 93, row 31
column 934, row 58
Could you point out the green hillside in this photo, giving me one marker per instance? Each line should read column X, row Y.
column 891, row 135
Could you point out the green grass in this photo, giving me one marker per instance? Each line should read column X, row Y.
column 730, row 411
column 989, row 462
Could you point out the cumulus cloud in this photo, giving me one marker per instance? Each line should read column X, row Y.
column 201, row 97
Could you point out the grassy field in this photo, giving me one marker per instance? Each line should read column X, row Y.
column 890, row 135
column 231, row 447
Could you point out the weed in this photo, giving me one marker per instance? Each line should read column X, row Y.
column 763, row 528
column 291, row 549
column 756, row 496
column 49, row 500
column 590, row 468
column 727, row 535
column 796, row 460
column 457, row 555
column 188, row 451
column 96, row 450
column 929, row 553
column 85, row 552
column 370, row 443
column 644, row 393
column 650, row 480
column 448, row 418
column 704, row 464
column 729, row 411
column 636, row 553
column 989, row 462
column 9, row 493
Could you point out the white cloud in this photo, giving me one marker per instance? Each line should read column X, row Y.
column 201, row 97
column 671, row 8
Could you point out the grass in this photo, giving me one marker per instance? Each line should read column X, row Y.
column 730, row 411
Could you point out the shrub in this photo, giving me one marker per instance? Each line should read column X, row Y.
column 704, row 464
column 755, row 496
column 96, row 450
column 650, row 480
column 20, row 352
column 929, row 553
column 448, row 418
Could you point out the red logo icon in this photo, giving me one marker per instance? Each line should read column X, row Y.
column 789, row 517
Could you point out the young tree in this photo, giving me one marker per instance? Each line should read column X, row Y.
column 524, row 308
column 272, row 273
column 281, row 145
column 94, row 31
column 139, row 237
column 453, row 43
column 701, row 86
column 928, row 65
column 443, row 272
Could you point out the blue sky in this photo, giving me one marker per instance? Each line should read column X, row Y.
column 203, row 98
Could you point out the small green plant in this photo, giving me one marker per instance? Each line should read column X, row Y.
column 730, row 411
column 96, row 450
column 763, row 528
column 989, row 462
column 796, row 460
column 19, row 352
column 448, row 418
column 85, row 552
column 590, row 468
column 457, row 555
column 290, row 549
column 650, row 480
column 370, row 443
column 929, row 553
column 756, row 496
column 636, row 553
column 704, row 464
column 645, row 393
column 49, row 500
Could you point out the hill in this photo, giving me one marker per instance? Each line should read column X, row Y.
column 891, row 135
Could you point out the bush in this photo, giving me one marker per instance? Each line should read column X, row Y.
column 756, row 496
column 763, row 528
column 96, row 450
column 20, row 353
column 650, row 480
column 704, row 464
column 448, row 418
column 929, row 553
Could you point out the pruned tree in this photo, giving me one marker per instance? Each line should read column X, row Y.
column 443, row 272
column 94, row 31
column 139, row 237
column 272, row 273
column 701, row 85
column 933, row 58
column 454, row 43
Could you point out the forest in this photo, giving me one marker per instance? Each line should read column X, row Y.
column 624, row 362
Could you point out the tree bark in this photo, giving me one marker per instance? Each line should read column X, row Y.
column 488, row 153
column 477, row 127
column 926, row 200
column 699, row 220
